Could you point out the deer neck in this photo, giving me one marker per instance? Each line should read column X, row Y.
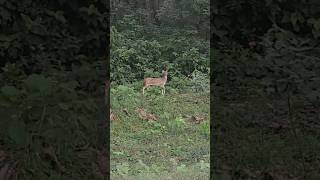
column 164, row 78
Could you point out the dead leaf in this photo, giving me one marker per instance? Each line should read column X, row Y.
column 8, row 168
column 49, row 151
column 3, row 155
column 144, row 115
column 113, row 116
column 279, row 126
column 126, row 111
column 8, row 171
column 4, row 171
column 196, row 119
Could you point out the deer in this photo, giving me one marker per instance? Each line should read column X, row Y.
column 161, row 82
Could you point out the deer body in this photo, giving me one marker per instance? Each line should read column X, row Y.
column 161, row 82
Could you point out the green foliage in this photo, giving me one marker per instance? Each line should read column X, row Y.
column 242, row 20
column 144, row 58
column 41, row 107
column 200, row 82
column 142, row 47
column 176, row 124
column 263, row 94
column 133, row 56
column 205, row 128
column 286, row 68
column 123, row 169
column 179, row 83
column 53, row 63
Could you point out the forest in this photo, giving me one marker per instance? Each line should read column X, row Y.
column 265, row 89
column 52, row 110
column 241, row 101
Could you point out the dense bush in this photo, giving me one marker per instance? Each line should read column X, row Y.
column 245, row 20
column 133, row 58
column 146, row 38
column 53, row 63
column 266, row 88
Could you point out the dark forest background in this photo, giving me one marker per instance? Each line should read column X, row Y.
column 265, row 89
column 53, row 64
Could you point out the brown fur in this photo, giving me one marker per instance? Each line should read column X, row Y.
column 156, row 82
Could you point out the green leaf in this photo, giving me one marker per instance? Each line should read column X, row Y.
column 27, row 20
column 182, row 168
column 123, row 168
column 10, row 91
column 4, row 102
column 316, row 33
column 315, row 177
column 118, row 153
column 64, row 106
column 222, row 177
column 72, row 84
column 59, row 16
column 87, row 123
column 92, row 10
column 7, row 38
column 17, row 132
column 55, row 176
column 316, row 24
column 39, row 29
column 38, row 82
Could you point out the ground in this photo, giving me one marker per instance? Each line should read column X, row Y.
column 159, row 137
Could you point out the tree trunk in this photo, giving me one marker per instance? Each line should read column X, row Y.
column 148, row 10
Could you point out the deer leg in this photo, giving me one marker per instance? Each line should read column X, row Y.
column 162, row 90
column 144, row 88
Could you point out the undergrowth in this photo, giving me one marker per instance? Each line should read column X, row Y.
column 173, row 146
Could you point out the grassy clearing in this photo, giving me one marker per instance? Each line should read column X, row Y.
column 172, row 147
